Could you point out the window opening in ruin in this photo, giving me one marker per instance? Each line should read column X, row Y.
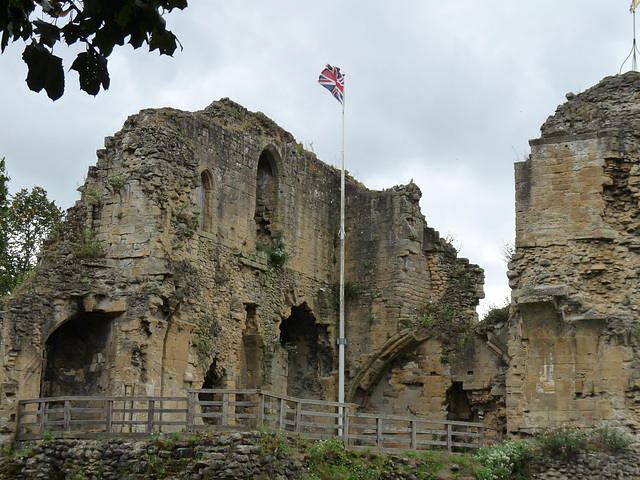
column 266, row 196
column 213, row 379
column 251, row 371
column 205, row 201
column 310, row 356
column 459, row 406
column 78, row 357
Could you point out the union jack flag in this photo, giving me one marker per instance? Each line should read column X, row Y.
column 332, row 80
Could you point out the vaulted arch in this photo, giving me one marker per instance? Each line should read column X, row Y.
column 369, row 374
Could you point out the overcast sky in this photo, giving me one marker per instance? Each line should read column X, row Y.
column 445, row 92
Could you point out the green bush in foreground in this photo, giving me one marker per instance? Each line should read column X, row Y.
column 609, row 439
column 561, row 442
column 510, row 461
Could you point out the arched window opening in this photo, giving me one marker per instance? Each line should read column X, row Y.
column 78, row 357
column 205, row 201
column 266, row 196
column 309, row 352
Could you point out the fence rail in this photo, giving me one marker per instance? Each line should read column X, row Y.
column 209, row 409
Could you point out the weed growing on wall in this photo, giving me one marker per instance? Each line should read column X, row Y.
column 86, row 245
column 117, row 182
column 610, row 439
column 561, row 442
column 278, row 254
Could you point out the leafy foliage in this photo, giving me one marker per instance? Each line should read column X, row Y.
column 561, row 442
column 609, row 439
column 26, row 219
column 508, row 461
column 278, row 254
column 98, row 24
column 511, row 460
column 86, row 245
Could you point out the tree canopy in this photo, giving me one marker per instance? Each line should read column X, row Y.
column 26, row 219
column 99, row 25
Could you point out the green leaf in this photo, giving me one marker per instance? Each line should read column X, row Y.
column 107, row 37
column 164, row 41
column 92, row 68
column 49, row 34
column 45, row 70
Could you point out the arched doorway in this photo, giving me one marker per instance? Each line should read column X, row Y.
column 78, row 357
column 310, row 356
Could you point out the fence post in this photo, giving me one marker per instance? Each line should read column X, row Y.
column 345, row 425
column 260, row 412
column 379, row 432
column 481, row 437
column 281, row 415
column 225, row 409
column 449, row 437
column 21, row 410
column 298, row 425
column 413, row 443
column 191, row 413
column 67, row 416
column 150, row 415
column 43, row 416
column 109, row 413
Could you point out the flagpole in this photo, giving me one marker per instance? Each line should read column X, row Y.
column 341, row 338
column 634, row 47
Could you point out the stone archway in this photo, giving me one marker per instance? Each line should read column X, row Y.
column 373, row 369
column 310, row 356
column 266, row 196
column 78, row 357
column 204, row 195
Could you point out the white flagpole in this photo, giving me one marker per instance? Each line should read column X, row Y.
column 341, row 338
column 634, row 47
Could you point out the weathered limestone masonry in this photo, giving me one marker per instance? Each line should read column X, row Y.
column 204, row 253
column 576, row 296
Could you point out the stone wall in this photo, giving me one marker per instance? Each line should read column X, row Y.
column 204, row 253
column 591, row 466
column 254, row 455
column 574, row 274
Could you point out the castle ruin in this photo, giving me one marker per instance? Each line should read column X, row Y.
column 575, row 335
column 204, row 253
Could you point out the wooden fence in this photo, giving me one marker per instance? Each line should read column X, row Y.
column 211, row 409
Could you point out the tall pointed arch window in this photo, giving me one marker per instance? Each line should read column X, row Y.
column 205, row 201
column 266, row 196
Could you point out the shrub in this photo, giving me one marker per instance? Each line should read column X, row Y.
column 508, row 461
column 328, row 451
column 278, row 254
column 86, row 245
column 609, row 439
column 561, row 442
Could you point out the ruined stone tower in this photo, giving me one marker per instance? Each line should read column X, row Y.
column 203, row 253
column 575, row 333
